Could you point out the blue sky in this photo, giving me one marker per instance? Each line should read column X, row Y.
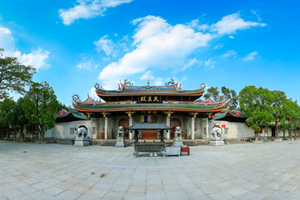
column 75, row 44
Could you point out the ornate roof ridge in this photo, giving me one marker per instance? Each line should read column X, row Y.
column 171, row 85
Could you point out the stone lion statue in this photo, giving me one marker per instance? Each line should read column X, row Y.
column 120, row 137
column 82, row 132
column 216, row 133
column 121, row 132
column 178, row 137
column 178, row 132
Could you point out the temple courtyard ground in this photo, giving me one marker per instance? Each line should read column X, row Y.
column 268, row 170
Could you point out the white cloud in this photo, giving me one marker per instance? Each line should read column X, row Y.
column 104, row 44
column 219, row 46
column 209, row 63
column 231, row 23
column 93, row 93
column 190, row 63
column 86, row 64
column 6, row 40
column 250, row 56
column 86, row 9
column 157, row 44
column 37, row 58
column 5, row 30
column 231, row 37
column 147, row 76
column 158, row 81
column 256, row 14
column 196, row 24
column 228, row 54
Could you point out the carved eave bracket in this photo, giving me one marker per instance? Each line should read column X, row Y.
column 105, row 114
column 130, row 113
column 194, row 114
column 169, row 113
column 209, row 115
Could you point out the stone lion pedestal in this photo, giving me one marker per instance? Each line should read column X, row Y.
column 120, row 138
column 216, row 138
column 82, row 138
column 178, row 137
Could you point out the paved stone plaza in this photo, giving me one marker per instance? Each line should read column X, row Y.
column 240, row 171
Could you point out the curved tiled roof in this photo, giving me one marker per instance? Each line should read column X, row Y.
column 232, row 116
column 134, row 106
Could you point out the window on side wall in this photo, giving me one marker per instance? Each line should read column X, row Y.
column 226, row 131
column 72, row 131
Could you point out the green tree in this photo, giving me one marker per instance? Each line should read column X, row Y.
column 6, row 107
column 17, row 118
column 40, row 106
column 279, row 99
column 13, row 75
column 12, row 118
column 289, row 113
column 256, row 104
column 214, row 93
column 62, row 106
column 232, row 100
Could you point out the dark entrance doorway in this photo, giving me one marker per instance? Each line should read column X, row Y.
column 174, row 122
column 124, row 122
column 273, row 131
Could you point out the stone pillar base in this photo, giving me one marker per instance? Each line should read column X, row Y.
column 81, row 143
column 216, row 143
column 120, row 144
column 177, row 144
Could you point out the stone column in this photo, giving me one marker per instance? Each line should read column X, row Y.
column 194, row 115
column 207, row 134
column 193, row 128
column 97, row 129
column 130, row 123
column 169, row 113
column 201, row 128
column 168, row 124
column 106, row 125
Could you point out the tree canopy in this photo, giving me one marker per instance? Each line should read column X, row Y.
column 256, row 104
column 279, row 99
column 13, row 75
column 232, row 100
column 291, row 116
column 6, row 107
column 213, row 93
column 40, row 106
column 17, row 118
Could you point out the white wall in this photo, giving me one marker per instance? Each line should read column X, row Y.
column 236, row 129
column 62, row 130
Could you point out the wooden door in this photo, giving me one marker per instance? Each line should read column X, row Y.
column 174, row 123
column 149, row 134
column 124, row 122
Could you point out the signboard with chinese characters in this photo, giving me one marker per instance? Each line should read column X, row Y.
column 149, row 99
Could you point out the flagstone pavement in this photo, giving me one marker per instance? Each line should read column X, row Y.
column 268, row 170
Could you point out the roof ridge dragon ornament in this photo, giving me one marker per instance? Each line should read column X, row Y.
column 127, row 83
column 99, row 87
column 171, row 82
column 202, row 86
